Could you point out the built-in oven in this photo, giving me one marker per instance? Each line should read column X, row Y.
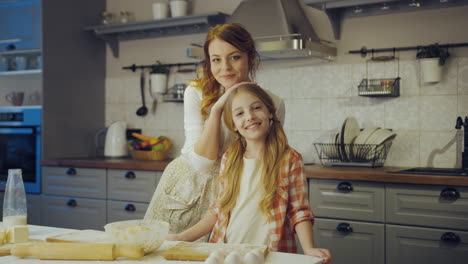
column 20, row 145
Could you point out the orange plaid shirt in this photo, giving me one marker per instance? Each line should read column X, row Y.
column 290, row 207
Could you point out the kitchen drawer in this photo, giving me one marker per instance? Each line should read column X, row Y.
column 351, row 241
column 410, row 245
column 431, row 206
column 120, row 211
column 75, row 213
column 353, row 200
column 79, row 182
column 34, row 209
column 134, row 185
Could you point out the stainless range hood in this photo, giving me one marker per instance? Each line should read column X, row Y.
column 281, row 30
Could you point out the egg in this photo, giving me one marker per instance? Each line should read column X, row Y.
column 260, row 254
column 233, row 258
column 252, row 258
column 212, row 260
column 218, row 255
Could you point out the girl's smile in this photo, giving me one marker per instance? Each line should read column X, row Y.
column 251, row 117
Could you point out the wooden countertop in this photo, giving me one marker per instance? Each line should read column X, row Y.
column 108, row 163
column 380, row 175
column 311, row 171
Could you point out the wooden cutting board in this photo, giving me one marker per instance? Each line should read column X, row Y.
column 82, row 236
column 195, row 251
column 5, row 249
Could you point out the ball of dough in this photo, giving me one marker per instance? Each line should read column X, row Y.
column 212, row 260
column 260, row 254
column 233, row 258
column 218, row 255
column 252, row 258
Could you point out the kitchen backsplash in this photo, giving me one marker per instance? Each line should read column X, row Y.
column 318, row 98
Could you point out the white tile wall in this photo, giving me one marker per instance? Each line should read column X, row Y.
column 318, row 98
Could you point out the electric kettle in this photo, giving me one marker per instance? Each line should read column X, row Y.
column 116, row 143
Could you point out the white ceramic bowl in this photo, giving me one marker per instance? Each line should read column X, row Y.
column 148, row 234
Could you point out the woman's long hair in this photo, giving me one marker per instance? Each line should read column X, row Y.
column 240, row 38
column 276, row 145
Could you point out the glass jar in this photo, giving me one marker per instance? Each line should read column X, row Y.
column 125, row 17
column 386, row 85
column 107, row 18
column 14, row 203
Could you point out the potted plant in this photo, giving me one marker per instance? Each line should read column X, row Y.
column 432, row 58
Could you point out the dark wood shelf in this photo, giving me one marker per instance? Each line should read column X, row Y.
column 112, row 34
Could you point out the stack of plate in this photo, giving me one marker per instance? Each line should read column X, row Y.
column 352, row 144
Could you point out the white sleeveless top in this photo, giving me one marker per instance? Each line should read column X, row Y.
column 247, row 223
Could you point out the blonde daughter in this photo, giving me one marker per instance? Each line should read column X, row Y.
column 262, row 194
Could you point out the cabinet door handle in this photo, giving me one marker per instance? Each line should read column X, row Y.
column 11, row 46
column 344, row 228
column 345, row 187
column 450, row 194
column 71, row 171
column 130, row 175
column 450, row 237
column 72, row 203
column 130, row 208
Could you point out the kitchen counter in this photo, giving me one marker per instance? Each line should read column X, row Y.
column 109, row 163
column 380, row 175
column 315, row 171
column 42, row 232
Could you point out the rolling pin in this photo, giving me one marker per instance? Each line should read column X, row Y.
column 77, row 251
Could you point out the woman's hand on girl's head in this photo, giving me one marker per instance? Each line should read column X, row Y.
column 219, row 105
column 319, row 253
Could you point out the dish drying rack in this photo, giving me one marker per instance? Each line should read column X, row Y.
column 386, row 87
column 353, row 155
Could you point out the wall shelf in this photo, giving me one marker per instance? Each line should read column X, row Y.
column 337, row 10
column 174, row 100
column 25, row 72
column 114, row 33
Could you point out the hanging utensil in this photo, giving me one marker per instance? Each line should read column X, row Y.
column 143, row 110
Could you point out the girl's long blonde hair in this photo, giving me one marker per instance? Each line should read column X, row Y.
column 240, row 38
column 276, row 145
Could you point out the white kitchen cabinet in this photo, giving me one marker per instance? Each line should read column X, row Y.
column 125, row 210
column 427, row 205
column 409, row 245
column 69, row 181
column 132, row 185
column 362, row 222
column 349, row 218
column 73, row 212
column 89, row 198
column 129, row 193
column 34, row 208
column 351, row 241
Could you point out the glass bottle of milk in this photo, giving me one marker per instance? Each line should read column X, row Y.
column 14, row 203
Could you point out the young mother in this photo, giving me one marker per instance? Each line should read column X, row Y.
column 186, row 188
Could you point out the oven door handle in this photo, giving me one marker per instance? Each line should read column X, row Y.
column 17, row 131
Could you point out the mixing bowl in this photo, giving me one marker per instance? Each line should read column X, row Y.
column 148, row 234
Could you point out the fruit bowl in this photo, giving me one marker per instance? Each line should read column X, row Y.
column 156, row 152
column 148, row 234
column 148, row 154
